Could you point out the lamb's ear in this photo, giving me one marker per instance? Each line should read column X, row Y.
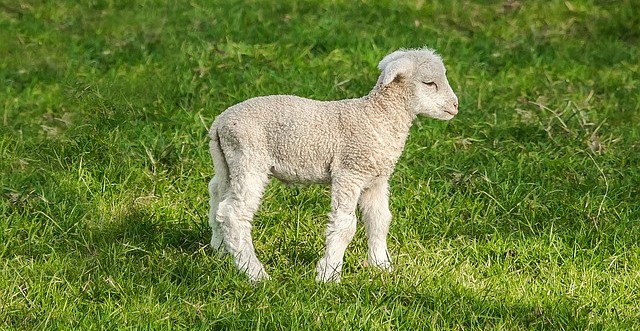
column 394, row 65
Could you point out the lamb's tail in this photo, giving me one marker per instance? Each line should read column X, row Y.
column 219, row 161
column 219, row 184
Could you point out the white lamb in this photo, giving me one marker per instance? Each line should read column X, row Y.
column 352, row 144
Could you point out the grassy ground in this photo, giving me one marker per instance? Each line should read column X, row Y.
column 521, row 213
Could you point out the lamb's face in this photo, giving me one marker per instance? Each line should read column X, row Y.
column 424, row 71
column 434, row 96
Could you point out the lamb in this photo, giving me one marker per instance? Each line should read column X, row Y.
column 351, row 144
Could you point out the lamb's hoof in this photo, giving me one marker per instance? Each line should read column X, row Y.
column 333, row 278
column 384, row 265
column 218, row 246
column 260, row 276
column 327, row 274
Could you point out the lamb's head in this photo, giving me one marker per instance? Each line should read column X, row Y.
column 424, row 72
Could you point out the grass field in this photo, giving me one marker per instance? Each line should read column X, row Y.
column 521, row 213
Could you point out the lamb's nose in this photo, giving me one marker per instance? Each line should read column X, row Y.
column 455, row 105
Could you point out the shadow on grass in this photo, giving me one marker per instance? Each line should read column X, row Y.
column 467, row 310
column 442, row 304
column 455, row 306
column 147, row 229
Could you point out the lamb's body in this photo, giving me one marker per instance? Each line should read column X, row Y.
column 352, row 144
column 351, row 134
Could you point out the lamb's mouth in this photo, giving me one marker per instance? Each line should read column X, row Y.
column 450, row 113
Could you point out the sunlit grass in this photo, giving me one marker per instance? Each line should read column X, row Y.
column 521, row 213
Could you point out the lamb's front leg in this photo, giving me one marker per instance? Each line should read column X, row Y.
column 340, row 230
column 374, row 204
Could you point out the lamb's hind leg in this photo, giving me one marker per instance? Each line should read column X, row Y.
column 235, row 214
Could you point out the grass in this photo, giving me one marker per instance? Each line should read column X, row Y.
column 521, row 213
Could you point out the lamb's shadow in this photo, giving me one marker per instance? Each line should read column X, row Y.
column 449, row 302
column 147, row 230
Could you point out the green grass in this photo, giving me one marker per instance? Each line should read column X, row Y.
column 521, row 213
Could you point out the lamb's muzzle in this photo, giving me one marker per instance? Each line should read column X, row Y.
column 351, row 144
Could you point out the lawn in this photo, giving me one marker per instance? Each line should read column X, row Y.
column 521, row 213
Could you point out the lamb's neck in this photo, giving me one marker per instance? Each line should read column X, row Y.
column 393, row 109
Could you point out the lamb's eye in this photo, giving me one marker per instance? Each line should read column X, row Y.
column 431, row 84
